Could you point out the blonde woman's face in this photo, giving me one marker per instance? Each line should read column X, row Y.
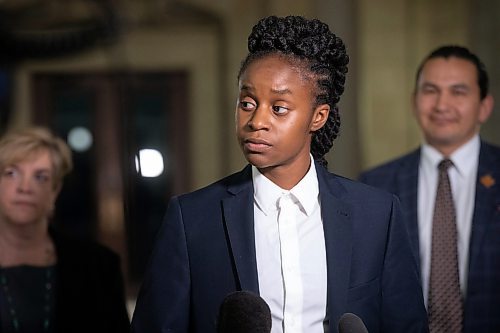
column 27, row 191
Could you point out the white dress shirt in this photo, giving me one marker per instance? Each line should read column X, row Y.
column 291, row 255
column 463, row 177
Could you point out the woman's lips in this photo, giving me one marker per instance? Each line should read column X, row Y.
column 256, row 145
column 24, row 203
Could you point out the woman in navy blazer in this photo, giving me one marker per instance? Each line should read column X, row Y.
column 286, row 119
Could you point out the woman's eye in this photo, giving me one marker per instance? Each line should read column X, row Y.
column 10, row 173
column 42, row 178
column 279, row 109
column 245, row 105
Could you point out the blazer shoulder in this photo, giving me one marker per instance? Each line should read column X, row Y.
column 363, row 190
column 395, row 163
column 490, row 150
column 223, row 187
column 353, row 191
column 388, row 169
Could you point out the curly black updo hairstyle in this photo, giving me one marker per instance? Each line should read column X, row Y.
column 312, row 43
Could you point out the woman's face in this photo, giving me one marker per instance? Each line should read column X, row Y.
column 27, row 191
column 275, row 115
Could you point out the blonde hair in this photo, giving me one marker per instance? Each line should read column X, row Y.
column 22, row 144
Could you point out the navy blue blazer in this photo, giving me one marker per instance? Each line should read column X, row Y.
column 205, row 249
column 482, row 301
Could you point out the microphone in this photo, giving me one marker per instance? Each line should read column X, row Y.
column 244, row 312
column 350, row 323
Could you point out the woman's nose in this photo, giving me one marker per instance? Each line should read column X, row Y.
column 259, row 119
column 24, row 184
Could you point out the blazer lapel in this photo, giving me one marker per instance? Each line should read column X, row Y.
column 486, row 202
column 239, row 222
column 407, row 189
column 338, row 241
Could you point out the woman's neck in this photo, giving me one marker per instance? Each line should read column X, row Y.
column 26, row 245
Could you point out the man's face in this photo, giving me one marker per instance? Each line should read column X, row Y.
column 275, row 116
column 447, row 103
column 27, row 192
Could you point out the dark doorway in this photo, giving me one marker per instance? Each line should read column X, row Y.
column 108, row 196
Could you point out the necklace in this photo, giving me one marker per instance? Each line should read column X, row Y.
column 12, row 309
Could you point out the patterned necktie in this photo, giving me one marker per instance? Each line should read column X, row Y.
column 445, row 299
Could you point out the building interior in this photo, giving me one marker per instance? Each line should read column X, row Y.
column 144, row 91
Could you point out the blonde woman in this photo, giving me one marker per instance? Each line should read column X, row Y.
column 49, row 283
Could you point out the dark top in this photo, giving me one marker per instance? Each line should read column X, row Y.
column 89, row 295
column 28, row 291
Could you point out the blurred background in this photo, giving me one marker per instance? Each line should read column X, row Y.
column 144, row 91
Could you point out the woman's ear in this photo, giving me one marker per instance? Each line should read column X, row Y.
column 57, row 189
column 320, row 117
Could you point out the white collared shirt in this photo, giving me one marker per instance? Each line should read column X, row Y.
column 463, row 177
column 294, row 286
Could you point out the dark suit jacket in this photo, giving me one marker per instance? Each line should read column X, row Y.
column 90, row 294
column 205, row 249
column 482, row 302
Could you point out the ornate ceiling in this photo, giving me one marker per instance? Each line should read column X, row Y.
column 47, row 28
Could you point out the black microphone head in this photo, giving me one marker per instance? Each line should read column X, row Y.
column 244, row 312
column 350, row 323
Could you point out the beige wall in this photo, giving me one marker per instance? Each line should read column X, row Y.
column 190, row 48
column 485, row 38
column 394, row 36
column 385, row 39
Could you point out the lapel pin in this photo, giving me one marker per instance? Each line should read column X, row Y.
column 487, row 180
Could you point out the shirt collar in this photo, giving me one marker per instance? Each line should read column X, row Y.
column 464, row 158
column 267, row 193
